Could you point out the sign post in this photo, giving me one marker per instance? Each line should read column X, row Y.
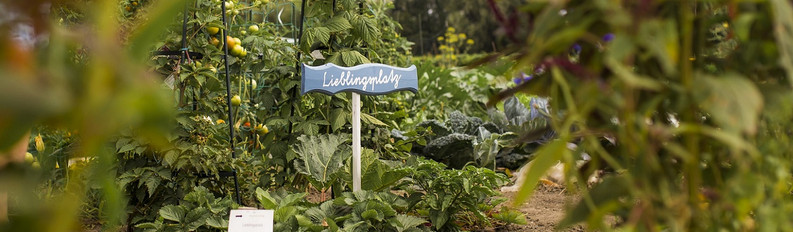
column 369, row 79
column 356, row 142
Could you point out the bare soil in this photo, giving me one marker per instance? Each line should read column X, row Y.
column 543, row 211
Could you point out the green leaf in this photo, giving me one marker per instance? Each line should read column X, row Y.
column 338, row 118
column 308, row 128
column 152, row 183
column 265, row 200
column 368, row 119
column 304, row 221
column 196, row 218
column 291, row 199
column 378, row 176
column 283, row 214
column 173, row 213
column 121, row 142
column 277, row 122
column 548, row 156
column 126, row 148
column 365, row 28
column 170, row 157
column 404, row 222
column 217, row 222
column 438, row 218
column 733, row 101
column 338, row 23
column 321, row 157
column 353, row 58
column 348, row 4
column 371, row 214
column 150, row 225
column 319, row 122
column 335, row 58
column 510, row 216
column 314, row 35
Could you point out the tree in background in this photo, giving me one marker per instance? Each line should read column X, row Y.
column 425, row 20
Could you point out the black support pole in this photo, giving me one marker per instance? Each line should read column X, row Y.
column 228, row 100
column 297, row 64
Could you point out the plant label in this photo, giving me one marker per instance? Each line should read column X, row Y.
column 368, row 79
column 251, row 221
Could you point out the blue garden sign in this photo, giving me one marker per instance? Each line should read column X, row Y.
column 369, row 79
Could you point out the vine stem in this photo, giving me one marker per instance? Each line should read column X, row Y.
column 693, row 175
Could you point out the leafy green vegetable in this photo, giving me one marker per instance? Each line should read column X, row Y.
column 322, row 157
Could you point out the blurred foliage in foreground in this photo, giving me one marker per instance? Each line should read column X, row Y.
column 695, row 97
column 81, row 80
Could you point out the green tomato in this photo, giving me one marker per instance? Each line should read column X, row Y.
column 237, row 50
column 236, row 100
column 29, row 158
column 213, row 30
column 253, row 28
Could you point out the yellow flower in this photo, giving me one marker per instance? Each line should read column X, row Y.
column 469, row 41
column 39, row 143
column 453, row 38
column 462, row 36
column 450, row 29
column 725, row 25
column 454, row 57
column 220, row 121
column 440, row 38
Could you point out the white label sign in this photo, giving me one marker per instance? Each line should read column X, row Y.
column 251, row 221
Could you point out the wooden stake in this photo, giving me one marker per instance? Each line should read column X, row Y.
column 356, row 142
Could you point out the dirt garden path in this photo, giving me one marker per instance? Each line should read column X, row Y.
column 543, row 211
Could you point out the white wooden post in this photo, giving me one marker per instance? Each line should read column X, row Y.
column 356, row 142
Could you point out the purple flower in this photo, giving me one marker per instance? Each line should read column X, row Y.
column 576, row 48
column 522, row 78
column 526, row 78
column 517, row 80
column 608, row 37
